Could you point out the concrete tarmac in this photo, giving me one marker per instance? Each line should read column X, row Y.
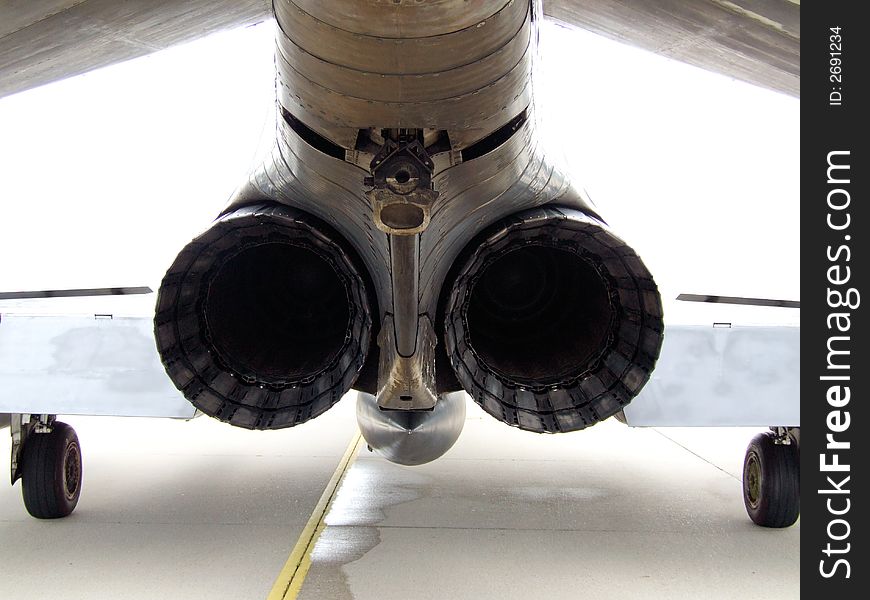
column 172, row 510
column 200, row 509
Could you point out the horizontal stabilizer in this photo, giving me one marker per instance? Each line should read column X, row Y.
column 739, row 300
column 84, row 366
column 707, row 376
column 115, row 291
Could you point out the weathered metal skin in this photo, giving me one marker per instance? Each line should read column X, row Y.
column 449, row 84
column 757, row 41
column 411, row 437
column 358, row 65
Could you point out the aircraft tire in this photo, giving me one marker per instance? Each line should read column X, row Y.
column 51, row 478
column 771, row 482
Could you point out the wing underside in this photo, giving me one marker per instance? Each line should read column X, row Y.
column 49, row 40
column 757, row 41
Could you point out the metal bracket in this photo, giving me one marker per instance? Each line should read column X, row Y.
column 407, row 382
column 20, row 427
column 785, row 436
column 403, row 193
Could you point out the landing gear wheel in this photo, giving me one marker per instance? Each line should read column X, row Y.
column 771, row 482
column 51, row 476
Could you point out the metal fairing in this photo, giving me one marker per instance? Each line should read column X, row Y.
column 513, row 177
column 410, row 437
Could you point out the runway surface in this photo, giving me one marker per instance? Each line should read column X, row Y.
column 203, row 510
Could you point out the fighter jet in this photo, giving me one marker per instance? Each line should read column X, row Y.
column 407, row 237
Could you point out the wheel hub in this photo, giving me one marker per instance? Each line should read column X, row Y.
column 71, row 471
column 752, row 476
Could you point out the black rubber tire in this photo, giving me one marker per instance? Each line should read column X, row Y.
column 51, row 477
column 771, row 482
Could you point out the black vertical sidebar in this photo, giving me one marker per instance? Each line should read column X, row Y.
column 835, row 371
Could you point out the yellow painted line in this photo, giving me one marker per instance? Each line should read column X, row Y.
column 291, row 577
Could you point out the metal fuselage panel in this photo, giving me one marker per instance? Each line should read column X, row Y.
column 373, row 65
column 439, row 65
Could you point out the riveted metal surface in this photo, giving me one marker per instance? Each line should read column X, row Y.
column 401, row 18
column 409, row 56
column 298, row 175
column 485, row 108
column 302, row 68
column 513, row 177
column 471, row 77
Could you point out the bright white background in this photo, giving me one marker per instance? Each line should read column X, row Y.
column 107, row 175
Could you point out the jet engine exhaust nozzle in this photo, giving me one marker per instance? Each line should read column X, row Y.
column 263, row 321
column 553, row 323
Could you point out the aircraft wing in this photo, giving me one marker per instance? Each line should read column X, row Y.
column 48, row 40
column 84, row 352
column 79, row 365
column 757, row 41
column 105, row 365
